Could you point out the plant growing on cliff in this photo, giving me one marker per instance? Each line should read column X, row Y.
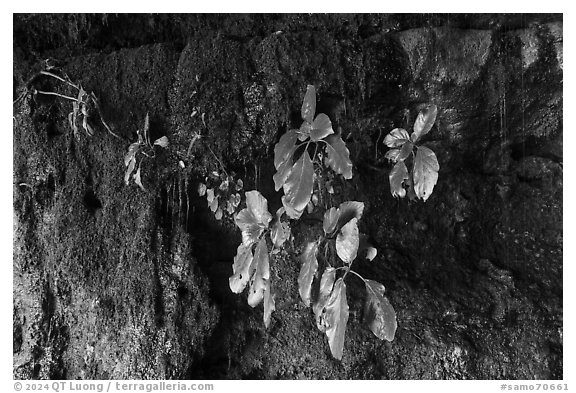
column 330, row 307
column 334, row 252
column 421, row 180
column 84, row 105
column 252, row 268
column 133, row 160
column 297, row 178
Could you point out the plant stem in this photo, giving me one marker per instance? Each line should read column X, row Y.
column 59, row 78
column 93, row 96
column 51, row 93
column 216, row 157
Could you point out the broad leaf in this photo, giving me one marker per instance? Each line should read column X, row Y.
column 321, row 127
column 298, row 186
column 319, row 308
column 309, row 104
column 349, row 210
column 379, row 313
column 290, row 211
column 337, row 318
column 279, row 233
column 424, row 122
column 269, row 304
column 397, row 176
column 307, row 271
column 240, row 268
column 330, row 220
column 425, row 172
column 258, row 206
column 347, row 241
column 397, row 137
column 405, row 151
column 259, row 281
column 249, row 226
column 218, row 214
column 254, row 219
column 283, row 172
column 285, row 148
column 162, row 142
column 138, row 179
column 338, row 156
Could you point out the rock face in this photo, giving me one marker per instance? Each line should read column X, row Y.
column 114, row 282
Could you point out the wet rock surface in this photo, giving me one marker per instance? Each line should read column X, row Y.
column 114, row 282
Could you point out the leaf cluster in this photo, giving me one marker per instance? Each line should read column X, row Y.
column 139, row 150
column 252, row 261
column 223, row 195
column 295, row 166
column 330, row 305
column 421, row 180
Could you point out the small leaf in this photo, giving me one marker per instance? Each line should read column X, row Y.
column 392, row 155
column 379, row 313
column 347, row 241
column 224, row 185
column 310, row 207
column 330, row 220
column 405, row 151
column 235, row 199
column 371, row 253
column 210, row 195
column 425, row 172
column 87, row 126
column 218, row 214
column 298, row 186
column 162, row 142
column 239, row 185
column 307, row 271
column 338, row 156
column 321, row 128
column 214, row 204
column 304, row 131
column 269, row 304
column 337, row 317
column 138, row 179
column 349, row 210
column 424, row 122
column 129, row 170
column 309, row 104
column 201, row 189
column 397, row 137
column 240, row 268
column 319, row 308
column 259, row 280
column 397, row 176
column 285, row 147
